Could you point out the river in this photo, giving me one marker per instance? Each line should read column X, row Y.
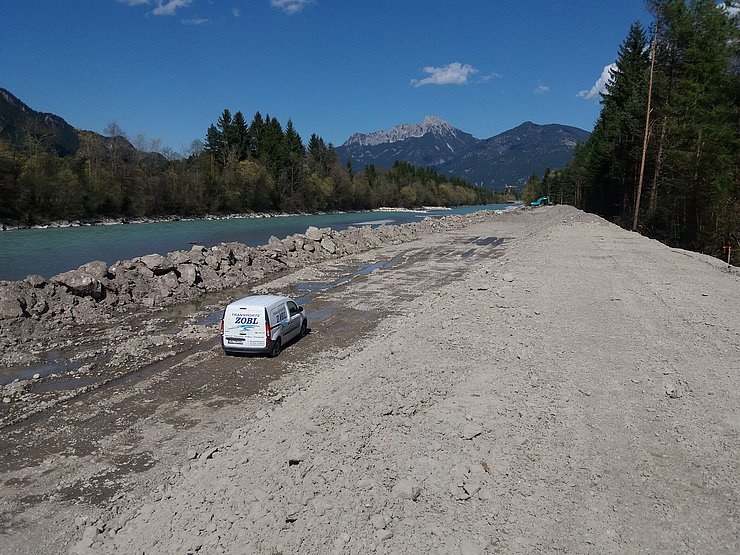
column 50, row 251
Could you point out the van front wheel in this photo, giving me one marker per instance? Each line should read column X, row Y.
column 304, row 328
column 276, row 346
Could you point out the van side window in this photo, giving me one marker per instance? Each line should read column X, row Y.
column 292, row 308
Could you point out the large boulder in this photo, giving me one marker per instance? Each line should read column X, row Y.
column 12, row 302
column 197, row 254
column 328, row 245
column 158, row 264
column 275, row 245
column 179, row 257
column 241, row 251
column 226, row 254
column 212, row 260
column 37, row 302
column 142, row 272
column 209, row 278
column 35, row 280
column 80, row 283
column 97, row 269
column 169, row 281
column 314, row 233
column 188, row 274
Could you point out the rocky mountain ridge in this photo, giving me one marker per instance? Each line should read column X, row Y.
column 19, row 124
column 506, row 159
column 430, row 124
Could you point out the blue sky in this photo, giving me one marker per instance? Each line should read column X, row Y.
column 167, row 68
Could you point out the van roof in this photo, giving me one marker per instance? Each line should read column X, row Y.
column 259, row 300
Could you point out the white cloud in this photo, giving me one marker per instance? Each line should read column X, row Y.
column 162, row 7
column 542, row 89
column 451, row 74
column 732, row 11
column 488, row 77
column 600, row 85
column 194, row 21
column 236, row 12
column 168, row 8
column 290, row 6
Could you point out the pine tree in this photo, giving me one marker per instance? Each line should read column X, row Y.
column 239, row 137
column 256, row 132
column 697, row 103
column 214, row 144
column 617, row 137
column 692, row 170
column 292, row 140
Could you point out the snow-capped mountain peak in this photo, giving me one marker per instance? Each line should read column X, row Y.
column 430, row 124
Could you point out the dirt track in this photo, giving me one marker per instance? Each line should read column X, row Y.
column 544, row 382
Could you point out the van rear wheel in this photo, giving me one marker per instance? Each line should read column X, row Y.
column 276, row 346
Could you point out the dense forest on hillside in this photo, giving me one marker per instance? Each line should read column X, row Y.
column 260, row 167
column 690, row 194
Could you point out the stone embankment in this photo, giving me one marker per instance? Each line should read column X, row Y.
column 97, row 290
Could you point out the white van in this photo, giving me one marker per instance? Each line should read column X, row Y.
column 261, row 324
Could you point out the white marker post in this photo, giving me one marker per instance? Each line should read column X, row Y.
column 728, row 248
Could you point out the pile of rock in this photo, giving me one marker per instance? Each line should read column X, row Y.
column 94, row 289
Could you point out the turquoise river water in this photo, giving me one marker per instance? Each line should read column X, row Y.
column 54, row 250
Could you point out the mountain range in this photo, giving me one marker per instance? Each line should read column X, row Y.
column 507, row 159
column 18, row 123
column 25, row 128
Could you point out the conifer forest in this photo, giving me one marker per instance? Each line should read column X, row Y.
column 680, row 181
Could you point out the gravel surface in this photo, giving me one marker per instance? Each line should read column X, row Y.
column 543, row 382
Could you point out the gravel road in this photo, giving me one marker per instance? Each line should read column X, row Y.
column 544, row 382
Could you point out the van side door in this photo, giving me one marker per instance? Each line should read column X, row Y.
column 294, row 318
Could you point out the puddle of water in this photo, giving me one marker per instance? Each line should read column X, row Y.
column 380, row 265
column 313, row 287
column 350, row 274
column 64, row 385
column 468, row 254
column 209, row 319
column 53, row 365
column 320, row 315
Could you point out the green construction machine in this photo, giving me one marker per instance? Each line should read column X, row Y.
column 542, row 201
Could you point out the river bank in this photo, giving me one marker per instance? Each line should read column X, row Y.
column 58, row 224
column 47, row 252
column 123, row 221
column 542, row 381
column 94, row 308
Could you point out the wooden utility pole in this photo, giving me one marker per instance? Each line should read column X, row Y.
column 647, row 129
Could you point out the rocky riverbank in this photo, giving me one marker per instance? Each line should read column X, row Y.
column 9, row 226
column 97, row 290
column 95, row 307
